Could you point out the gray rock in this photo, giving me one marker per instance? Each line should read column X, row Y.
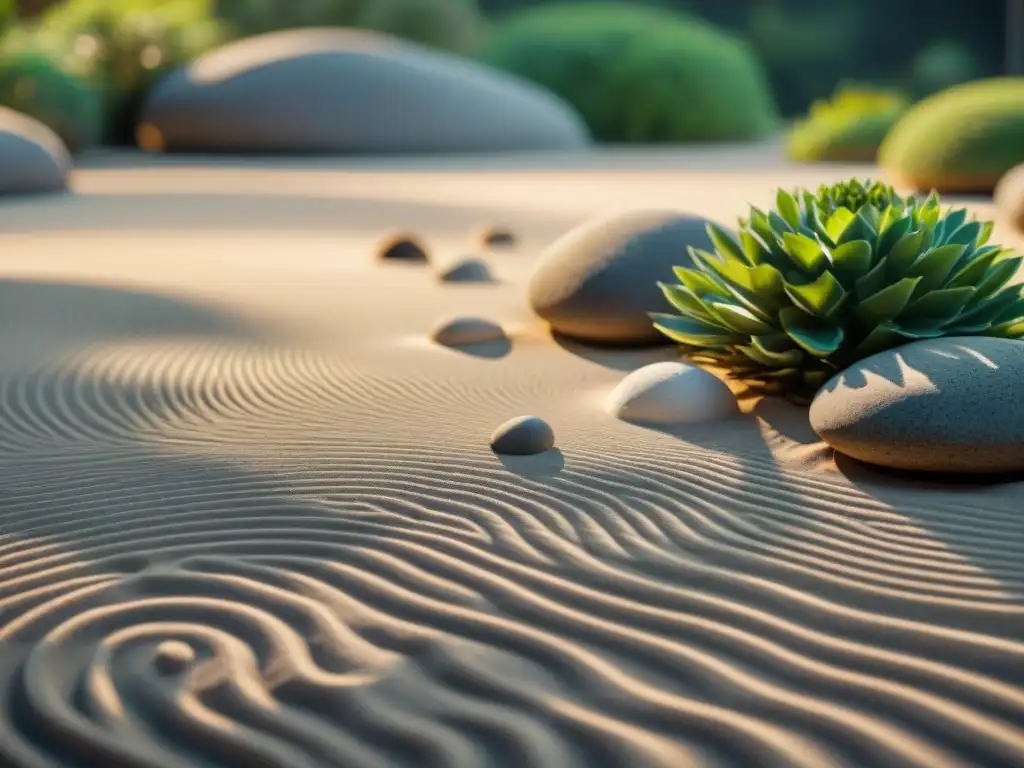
column 468, row 270
column 172, row 657
column 599, row 281
column 351, row 91
column 1009, row 198
column 496, row 237
column 944, row 405
column 33, row 159
column 460, row 331
column 399, row 246
column 523, row 436
column 671, row 393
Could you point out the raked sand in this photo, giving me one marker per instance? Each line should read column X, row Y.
column 249, row 515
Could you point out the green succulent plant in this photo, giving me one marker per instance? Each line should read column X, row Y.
column 826, row 279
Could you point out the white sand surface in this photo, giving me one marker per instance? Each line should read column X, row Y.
column 249, row 515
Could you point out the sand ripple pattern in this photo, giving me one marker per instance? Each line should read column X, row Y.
column 238, row 557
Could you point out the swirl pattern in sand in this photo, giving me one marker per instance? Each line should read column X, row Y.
column 219, row 555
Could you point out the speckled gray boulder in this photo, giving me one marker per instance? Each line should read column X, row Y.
column 523, row 436
column 468, row 270
column 460, row 331
column 599, row 281
column 33, row 159
column 1009, row 198
column 351, row 91
column 942, row 405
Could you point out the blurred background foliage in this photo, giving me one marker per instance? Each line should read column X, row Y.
column 638, row 70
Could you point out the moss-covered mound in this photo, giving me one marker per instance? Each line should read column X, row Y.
column 848, row 128
column 639, row 74
column 960, row 140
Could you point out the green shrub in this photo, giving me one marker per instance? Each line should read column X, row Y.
column 815, row 285
column 452, row 25
column 961, row 139
column 123, row 46
column 255, row 17
column 849, row 127
column 639, row 73
column 34, row 83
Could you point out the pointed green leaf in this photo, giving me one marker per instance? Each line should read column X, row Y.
column 789, row 208
column 998, row 275
column 821, row 297
column 725, row 244
column 887, row 303
column 904, row 253
column 754, row 249
column 817, row 337
column 739, row 318
column 851, row 261
column 944, row 304
column 686, row 302
column 873, row 281
column 871, row 215
column 893, row 234
column 687, row 330
column 838, row 222
column 974, row 269
column 934, row 266
column 859, row 229
column 788, row 359
column 700, row 283
column 778, row 224
column 967, row 234
column 950, row 223
column 804, row 252
column 980, row 315
column 986, row 232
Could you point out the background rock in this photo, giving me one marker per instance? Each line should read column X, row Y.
column 33, row 159
column 341, row 90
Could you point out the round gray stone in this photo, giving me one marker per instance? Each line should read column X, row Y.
column 400, row 246
column 599, row 281
column 523, row 436
column 172, row 657
column 460, row 331
column 671, row 393
column 496, row 237
column 350, row 91
column 468, row 270
column 944, row 405
column 1009, row 198
column 33, row 159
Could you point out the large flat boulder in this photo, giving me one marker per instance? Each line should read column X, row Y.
column 944, row 405
column 350, row 91
column 33, row 159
